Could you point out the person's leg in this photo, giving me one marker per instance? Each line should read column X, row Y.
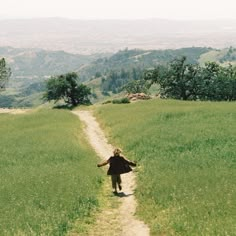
column 114, row 182
column 119, row 182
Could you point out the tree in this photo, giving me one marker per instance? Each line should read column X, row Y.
column 5, row 74
column 225, row 84
column 184, row 81
column 177, row 79
column 67, row 87
column 137, row 86
column 209, row 74
column 218, row 82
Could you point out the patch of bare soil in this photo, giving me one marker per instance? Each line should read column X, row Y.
column 115, row 219
column 13, row 111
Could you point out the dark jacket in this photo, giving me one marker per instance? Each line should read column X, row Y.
column 119, row 165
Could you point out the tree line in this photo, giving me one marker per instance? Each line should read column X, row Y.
column 186, row 81
column 115, row 81
column 177, row 79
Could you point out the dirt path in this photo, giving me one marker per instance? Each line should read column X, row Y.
column 118, row 220
column 13, row 111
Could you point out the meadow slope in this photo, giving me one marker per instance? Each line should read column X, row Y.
column 186, row 155
column 44, row 180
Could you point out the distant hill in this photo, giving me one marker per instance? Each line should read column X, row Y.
column 99, row 36
column 31, row 67
column 224, row 56
column 35, row 64
column 111, row 74
column 26, row 62
column 126, row 59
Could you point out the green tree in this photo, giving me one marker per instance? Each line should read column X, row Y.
column 225, row 84
column 5, row 74
column 137, row 86
column 67, row 87
column 177, row 79
column 218, row 82
column 209, row 75
column 184, row 81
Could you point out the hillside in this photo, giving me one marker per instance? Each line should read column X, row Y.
column 223, row 56
column 115, row 72
column 185, row 173
column 31, row 67
column 31, row 62
column 186, row 162
column 136, row 58
column 44, row 159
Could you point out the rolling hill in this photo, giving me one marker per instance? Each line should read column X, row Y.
column 31, row 67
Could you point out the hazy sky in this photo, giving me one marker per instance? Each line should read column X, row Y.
column 119, row 9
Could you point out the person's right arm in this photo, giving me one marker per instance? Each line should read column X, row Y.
column 103, row 163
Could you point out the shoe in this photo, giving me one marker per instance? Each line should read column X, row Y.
column 115, row 192
column 120, row 187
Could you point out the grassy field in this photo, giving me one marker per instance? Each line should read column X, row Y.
column 44, row 181
column 186, row 154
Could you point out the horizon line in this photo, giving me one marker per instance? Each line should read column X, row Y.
column 113, row 19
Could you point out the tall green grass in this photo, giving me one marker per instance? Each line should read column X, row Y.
column 186, row 154
column 48, row 175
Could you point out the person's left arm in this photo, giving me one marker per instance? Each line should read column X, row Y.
column 131, row 163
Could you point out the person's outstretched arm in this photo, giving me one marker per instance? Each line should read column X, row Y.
column 131, row 163
column 103, row 163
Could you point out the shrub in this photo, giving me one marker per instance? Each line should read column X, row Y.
column 106, row 102
column 120, row 101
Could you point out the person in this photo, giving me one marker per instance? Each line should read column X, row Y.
column 118, row 165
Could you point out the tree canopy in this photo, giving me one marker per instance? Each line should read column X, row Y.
column 137, row 86
column 185, row 81
column 68, row 88
column 5, row 74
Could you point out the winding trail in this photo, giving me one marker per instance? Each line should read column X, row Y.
column 120, row 220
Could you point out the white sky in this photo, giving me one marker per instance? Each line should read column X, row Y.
column 119, row 9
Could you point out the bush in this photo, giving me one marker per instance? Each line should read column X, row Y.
column 106, row 102
column 120, row 101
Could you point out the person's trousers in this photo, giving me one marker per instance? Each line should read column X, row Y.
column 115, row 179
